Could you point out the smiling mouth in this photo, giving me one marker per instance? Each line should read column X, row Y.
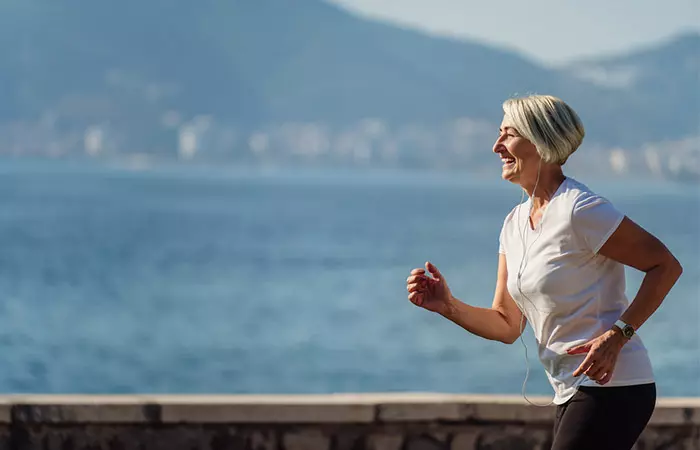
column 508, row 162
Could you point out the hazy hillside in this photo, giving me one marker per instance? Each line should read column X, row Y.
column 665, row 77
column 74, row 64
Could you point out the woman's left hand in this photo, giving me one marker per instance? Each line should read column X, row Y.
column 602, row 356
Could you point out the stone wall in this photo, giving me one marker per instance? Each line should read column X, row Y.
column 307, row 422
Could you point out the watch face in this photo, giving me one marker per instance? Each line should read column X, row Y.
column 628, row 332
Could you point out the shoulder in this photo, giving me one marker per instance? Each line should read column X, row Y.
column 593, row 217
column 578, row 197
column 511, row 216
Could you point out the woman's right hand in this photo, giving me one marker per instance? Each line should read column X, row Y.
column 431, row 293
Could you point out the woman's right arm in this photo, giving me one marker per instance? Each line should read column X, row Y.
column 502, row 322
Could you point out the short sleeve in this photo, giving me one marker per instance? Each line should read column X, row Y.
column 501, row 238
column 501, row 247
column 594, row 220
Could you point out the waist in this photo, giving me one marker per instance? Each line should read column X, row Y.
column 561, row 332
column 633, row 362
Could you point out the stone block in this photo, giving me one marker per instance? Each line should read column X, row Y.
column 350, row 440
column 306, row 440
column 133, row 437
column 667, row 415
column 244, row 409
column 428, row 412
column 6, row 438
column 512, row 439
column 676, row 411
column 670, row 438
column 5, row 411
column 507, row 412
column 424, row 442
column 262, row 440
column 385, row 442
column 466, row 440
column 83, row 409
column 264, row 414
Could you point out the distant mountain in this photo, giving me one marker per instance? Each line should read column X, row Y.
column 665, row 77
column 74, row 64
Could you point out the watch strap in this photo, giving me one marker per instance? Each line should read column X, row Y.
column 627, row 330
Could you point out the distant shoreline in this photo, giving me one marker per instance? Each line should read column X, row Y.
column 137, row 164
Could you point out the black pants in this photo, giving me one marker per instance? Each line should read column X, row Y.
column 601, row 418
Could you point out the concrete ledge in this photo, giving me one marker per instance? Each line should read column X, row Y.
column 296, row 409
column 677, row 411
column 405, row 421
column 77, row 409
column 264, row 409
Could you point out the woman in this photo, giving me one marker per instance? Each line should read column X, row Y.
column 561, row 267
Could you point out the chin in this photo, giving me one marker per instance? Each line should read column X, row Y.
column 509, row 176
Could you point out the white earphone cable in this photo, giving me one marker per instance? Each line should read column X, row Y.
column 521, row 268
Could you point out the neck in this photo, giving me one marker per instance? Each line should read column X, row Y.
column 550, row 179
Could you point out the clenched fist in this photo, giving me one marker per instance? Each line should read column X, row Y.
column 429, row 292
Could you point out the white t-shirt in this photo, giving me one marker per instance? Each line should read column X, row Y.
column 571, row 293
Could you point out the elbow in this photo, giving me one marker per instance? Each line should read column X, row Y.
column 508, row 331
column 678, row 268
column 674, row 267
column 509, row 338
column 667, row 267
column 678, row 265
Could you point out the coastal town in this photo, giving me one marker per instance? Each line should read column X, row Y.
column 462, row 144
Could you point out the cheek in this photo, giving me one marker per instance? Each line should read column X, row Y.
column 527, row 158
column 524, row 150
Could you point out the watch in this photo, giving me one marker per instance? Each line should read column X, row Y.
column 627, row 330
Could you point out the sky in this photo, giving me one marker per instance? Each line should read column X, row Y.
column 552, row 32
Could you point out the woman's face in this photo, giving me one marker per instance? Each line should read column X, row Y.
column 519, row 156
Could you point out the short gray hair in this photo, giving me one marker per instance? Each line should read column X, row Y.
column 550, row 124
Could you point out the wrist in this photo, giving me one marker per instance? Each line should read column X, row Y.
column 624, row 329
column 619, row 335
column 449, row 308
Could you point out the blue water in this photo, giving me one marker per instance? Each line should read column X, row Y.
column 195, row 280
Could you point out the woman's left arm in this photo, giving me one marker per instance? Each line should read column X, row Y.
column 633, row 246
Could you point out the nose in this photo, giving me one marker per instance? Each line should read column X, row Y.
column 497, row 146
